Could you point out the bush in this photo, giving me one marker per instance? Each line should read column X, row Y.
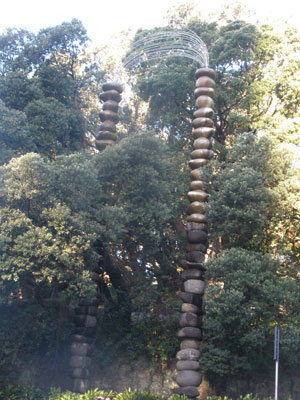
column 248, row 396
column 136, row 395
column 28, row 329
column 151, row 335
column 57, row 394
column 16, row 392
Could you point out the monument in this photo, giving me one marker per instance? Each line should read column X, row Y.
column 185, row 43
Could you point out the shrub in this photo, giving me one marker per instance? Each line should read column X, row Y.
column 136, row 395
column 17, row 392
column 57, row 394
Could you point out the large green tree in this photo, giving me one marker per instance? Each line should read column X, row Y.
column 58, row 218
column 47, row 77
column 248, row 297
column 112, row 217
column 255, row 81
column 252, row 185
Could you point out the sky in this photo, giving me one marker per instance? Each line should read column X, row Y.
column 104, row 19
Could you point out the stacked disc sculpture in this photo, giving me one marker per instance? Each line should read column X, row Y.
column 85, row 313
column 110, row 97
column 173, row 42
column 188, row 377
column 81, row 347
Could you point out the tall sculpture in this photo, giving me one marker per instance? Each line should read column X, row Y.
column 189, row 377
column 167, row 43
column 185, row 43
column 86, row 312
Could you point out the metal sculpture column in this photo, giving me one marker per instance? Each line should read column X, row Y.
column 86, row 312
column 185, row 43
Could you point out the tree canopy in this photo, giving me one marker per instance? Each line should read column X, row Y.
column 46, row 77
column 71, row 216
column 251, row 64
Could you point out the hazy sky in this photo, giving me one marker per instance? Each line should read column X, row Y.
column 104, row 18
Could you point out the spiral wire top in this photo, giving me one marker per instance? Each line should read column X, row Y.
column 168, row 43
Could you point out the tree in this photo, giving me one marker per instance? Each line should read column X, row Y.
column 44, row 244
column 111, row 217
column 247, row 298
column 14, row 137
column 68, row 217
column 252, row 211
column 142, row 176
column 248, row 61
column 51, row 78
column 240, row 185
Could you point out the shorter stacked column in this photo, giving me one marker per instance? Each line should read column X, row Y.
column 111, row 98
column 81, row 347
column 85, row 315
column 189, row 377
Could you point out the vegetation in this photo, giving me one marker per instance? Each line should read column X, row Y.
column 23, row 393
column 69, row 213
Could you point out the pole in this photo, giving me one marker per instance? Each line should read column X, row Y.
column 276, row 358
column 276, row 381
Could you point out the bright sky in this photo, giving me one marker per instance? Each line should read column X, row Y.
column 105, row 18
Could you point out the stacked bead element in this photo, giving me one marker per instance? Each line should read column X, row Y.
column 188, row 377
column 85, row 313
column 81, row 347
column 111, row 98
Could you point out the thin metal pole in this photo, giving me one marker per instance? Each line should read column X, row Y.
column 276, row 358
column 276, row 380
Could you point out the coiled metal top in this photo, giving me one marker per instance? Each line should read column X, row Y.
column 171, row 42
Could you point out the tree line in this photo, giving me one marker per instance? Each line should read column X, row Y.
column 69, row 213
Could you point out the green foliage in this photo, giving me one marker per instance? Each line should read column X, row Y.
column 53, row 125
column 150, row 333
column 283, row 231
column 246, row 298
column 42, row 256
column 41, row 240
column 254, row 80
column 137, row 395
column 57, row 394
column 49, row 222
column 12, row 392
column 117, row 214
column 144, row 185
column 170, row 112
column 29, row 328
column 248, row 396
column 52, row 213
column 13, row 133
column 17, row 90
column 177, row 397
column 47, row 77
column 16, row 392
column 239, row 193
column 60, row 219
column 287, row 79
